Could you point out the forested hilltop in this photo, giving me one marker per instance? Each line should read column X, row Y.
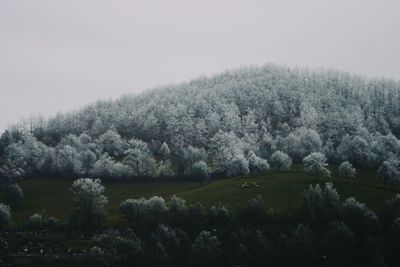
column 229, row 124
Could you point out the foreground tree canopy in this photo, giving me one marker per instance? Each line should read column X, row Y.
column 327, row 230
column 234, row 122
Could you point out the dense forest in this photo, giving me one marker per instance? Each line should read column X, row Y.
column 238, row 122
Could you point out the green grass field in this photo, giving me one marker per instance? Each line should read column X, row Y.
column 280, row 191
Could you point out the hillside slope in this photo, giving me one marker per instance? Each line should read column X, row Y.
column 281, row 191
column 237, row 118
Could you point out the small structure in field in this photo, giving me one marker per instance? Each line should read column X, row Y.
column 249, row 184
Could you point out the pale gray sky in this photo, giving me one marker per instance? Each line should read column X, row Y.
column 60, row 55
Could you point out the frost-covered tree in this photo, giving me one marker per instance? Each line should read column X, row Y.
column 205, row 249
column 10, row 172
column 385, row 147
column 117, row 248
column 164, row 151
column 301, row 142
column 389, row 172
column 103, row 167
column 355, row 149
column 165, row 169
column 308, row 116
column 110, row 142
column 41, row 221
column 192, row 155
column 200, row 171
column 140, row 159
column 67, row 161
column 6, row 139
column 28, row 155
column 5, row 215
column 144, row 212
column 219, row 216
column 280, row 161
column 88, row 159
column 260, row 109
column 320, row 204
column 315, row 164
column 267, row 146
column 225, row 146
column 238, row 165
column 89, row 201
column 257, row 164
column 177, row 211
column 359, row 218
column 347, row 170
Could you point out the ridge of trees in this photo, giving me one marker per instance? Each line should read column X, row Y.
column 234, row 122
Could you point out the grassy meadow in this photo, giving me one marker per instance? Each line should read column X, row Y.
column 281, row 191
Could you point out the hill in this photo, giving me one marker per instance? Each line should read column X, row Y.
column 232, row 122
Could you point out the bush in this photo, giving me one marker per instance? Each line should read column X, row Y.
column 41, row 221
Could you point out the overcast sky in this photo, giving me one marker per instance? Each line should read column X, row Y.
column 59, row 55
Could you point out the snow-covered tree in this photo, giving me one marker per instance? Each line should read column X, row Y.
column 140, row 159
column 177, row 211
column 316, row 165
column 200, row 171
column 308, row 116
column 89, row 201
column 385, row 146
column 67, row 161
column 103, row 167
column 257, row 164
column 238, row 165
column 165, row 152
column 301, row 142
column 6, row 139
column 280, row 161
column 88, row 159
column 355, row 149
column 347, row 170
column 260, row 109
column 219, row 216
column 110, row 142
column 41, row 221
column 165, row 169
column 225, row 146
column 205, row 249
column 389, row 172
column 192, row 155
column 320, row 204
column 359, row 218
column 144, row 212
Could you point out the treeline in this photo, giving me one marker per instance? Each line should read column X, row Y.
column 233, row 123
column 326, row 231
